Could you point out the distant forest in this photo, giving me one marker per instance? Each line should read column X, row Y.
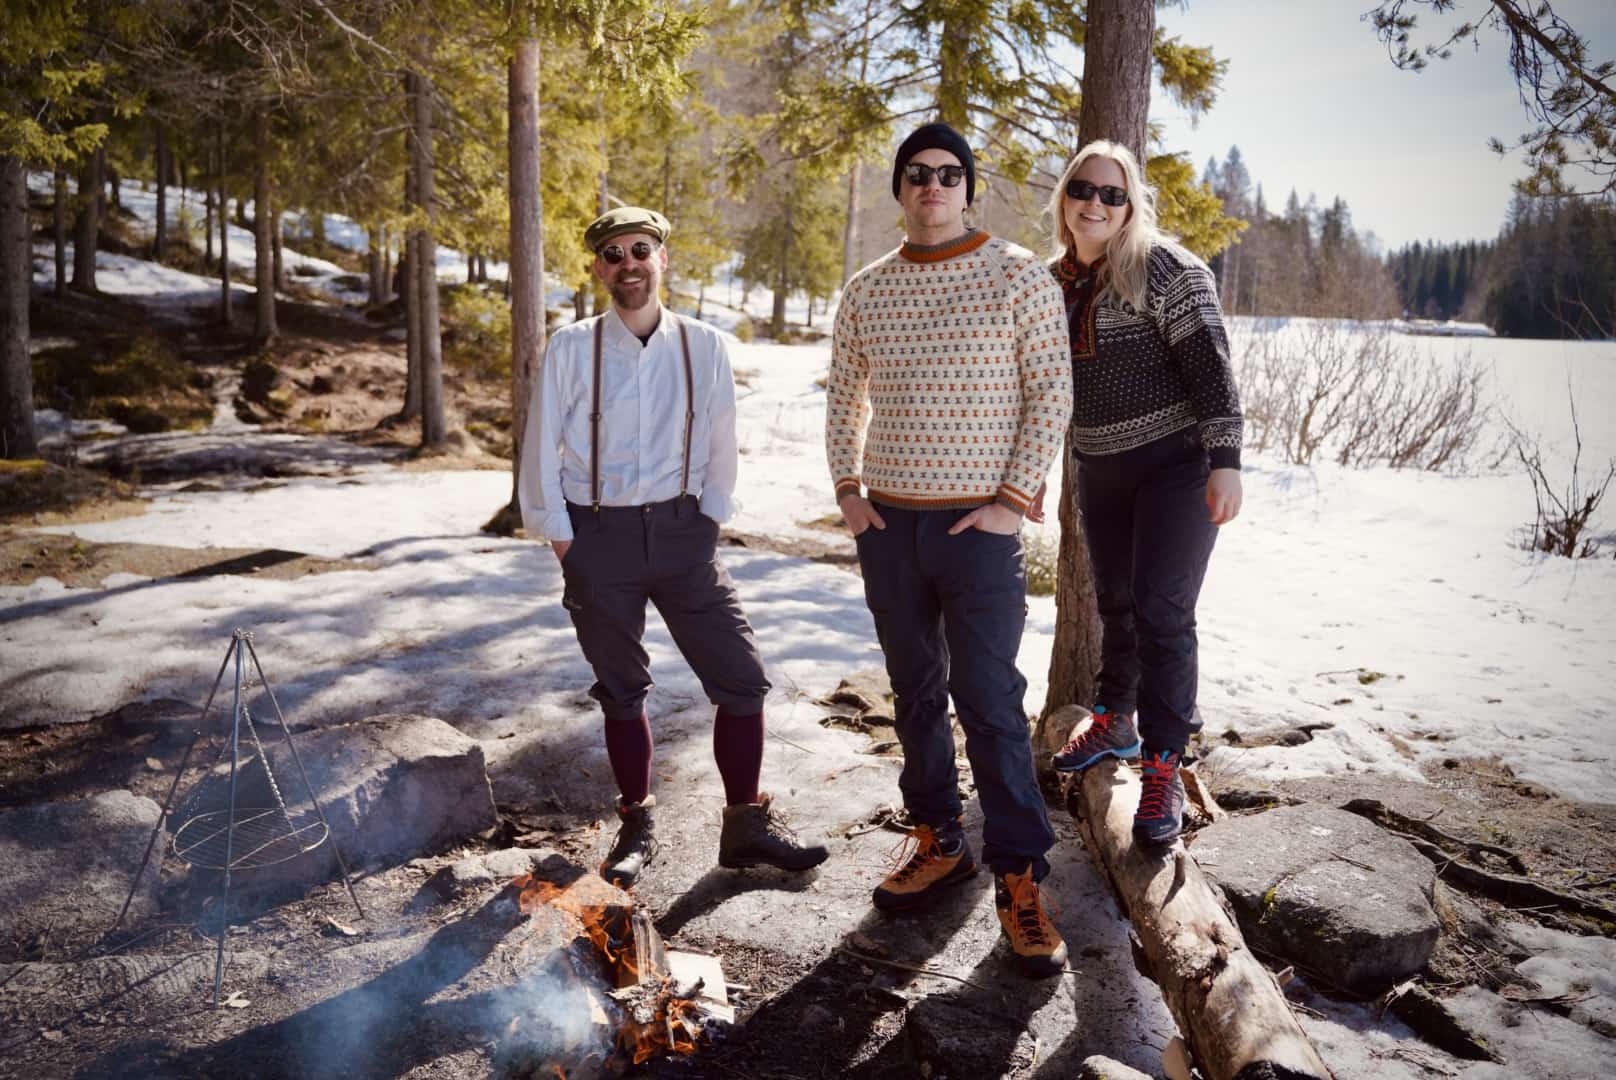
column 1551, row 273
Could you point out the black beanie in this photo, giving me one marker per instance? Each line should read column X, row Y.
column 937, row 136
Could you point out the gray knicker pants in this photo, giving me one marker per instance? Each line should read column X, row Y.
column 666, row 552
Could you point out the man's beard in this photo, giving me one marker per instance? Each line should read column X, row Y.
column 632, row 296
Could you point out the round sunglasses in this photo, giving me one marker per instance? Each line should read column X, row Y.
column 640, row 249
column 947, row 175
column 1083, row 191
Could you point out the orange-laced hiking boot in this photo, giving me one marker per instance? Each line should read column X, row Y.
column 1039, row 950
column 929, row 862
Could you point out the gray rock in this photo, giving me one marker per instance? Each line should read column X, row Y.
column 392, row 787
column 1100, row 1067
column 167, row 717
column 66, row 868
column 1328, row 890
column 869, row 691
column 495, row 868
column 949, row 1040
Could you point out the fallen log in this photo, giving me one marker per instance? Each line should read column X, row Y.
column 1229, row 1009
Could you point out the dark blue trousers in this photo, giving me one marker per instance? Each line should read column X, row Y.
column 949, row 611
column 1145, row 517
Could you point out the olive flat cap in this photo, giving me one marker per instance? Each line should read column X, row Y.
column 625, row 219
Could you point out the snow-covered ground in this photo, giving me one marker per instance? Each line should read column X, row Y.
column 1395, row 606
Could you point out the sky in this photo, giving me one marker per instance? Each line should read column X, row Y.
column 1313, row 103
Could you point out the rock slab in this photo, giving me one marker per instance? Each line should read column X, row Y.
column 392, row 787
column 66, row 868
column 1328, row 890
column 951, row 1041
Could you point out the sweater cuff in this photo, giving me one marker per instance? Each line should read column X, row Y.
column 1225, row 457
column 1011, row 499
column 848, row 487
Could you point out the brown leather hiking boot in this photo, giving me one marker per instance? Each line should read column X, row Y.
column 935, row 861
column 756, row 834
column 1039, row 950
column 635, row 845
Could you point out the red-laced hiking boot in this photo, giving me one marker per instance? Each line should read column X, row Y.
column 1039, row 950
column 1160, row 817
column 1109, row 734
column 929, row 862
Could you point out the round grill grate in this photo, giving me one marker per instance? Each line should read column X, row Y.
column 262, row 838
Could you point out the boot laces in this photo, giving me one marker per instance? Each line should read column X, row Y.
column 1101, row 722
column 914, row 852
column 776, row 825
column 1027, row 908
column 1157, row 791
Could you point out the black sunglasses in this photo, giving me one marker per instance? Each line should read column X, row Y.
column 1083, row 191
column 640, row 249
column 947, row 175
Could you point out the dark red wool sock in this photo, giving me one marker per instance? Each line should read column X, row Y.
column 628, row 748
column 738, row 748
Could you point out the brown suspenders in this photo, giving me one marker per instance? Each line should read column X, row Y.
column 595, row 414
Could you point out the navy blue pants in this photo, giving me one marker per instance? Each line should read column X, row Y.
column 949, row 611
column 1145, row 516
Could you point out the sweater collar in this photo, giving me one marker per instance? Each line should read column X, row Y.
column 932, row 253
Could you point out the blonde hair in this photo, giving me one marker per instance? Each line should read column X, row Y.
column 1127, row 254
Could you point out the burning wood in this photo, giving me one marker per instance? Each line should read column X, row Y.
column 663, row 1002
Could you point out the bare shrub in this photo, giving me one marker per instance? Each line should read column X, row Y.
column 1361, row 395
column 1564, row 512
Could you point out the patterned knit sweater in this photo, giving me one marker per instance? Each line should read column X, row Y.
column 949, row 381
column 1137, row 376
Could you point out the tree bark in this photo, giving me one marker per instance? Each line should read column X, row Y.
column 777, row 317
column 264, row 328
column 17, row 436
column 160, row 236
column 59, row 229
column 850, row 229
column 1116, row 73
column 373, row 263
column 954, row 58
column 225, row 316
column 207, row 212
column 1229, row 1009
column 526, row 274
column 407, row 263
column 87, row 223
column 433, row 428
column 277, row 247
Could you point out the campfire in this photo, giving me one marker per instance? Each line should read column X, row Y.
column 661, row 1001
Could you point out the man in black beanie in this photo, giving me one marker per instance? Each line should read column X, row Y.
column 949, row 394
column 936, row 136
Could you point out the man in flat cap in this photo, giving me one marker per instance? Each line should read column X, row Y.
column 628, row 466
column 948, row 398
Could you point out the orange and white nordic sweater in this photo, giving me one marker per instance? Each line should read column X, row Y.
column 950, row 377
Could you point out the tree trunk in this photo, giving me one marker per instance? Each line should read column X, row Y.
column 114, row 185
column 207, row 213
column 387, row 263
column 224, row 238
column 277, row 232
column 850, row 230
column 1116, row 103
column 777, row 320
column 160, row 236
column 526, row 272
column 954, row 60
column 433, row 429
column 263, row 233
column 1230, row 1010
column 59, row 230
column 17, row 436
column 87, row 223
column 373, row 263
column 406, row 265
column 1116, row 73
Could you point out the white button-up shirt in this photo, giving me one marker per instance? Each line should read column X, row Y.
column 642, row 428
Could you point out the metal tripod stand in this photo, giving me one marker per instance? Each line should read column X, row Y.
column 236, row 838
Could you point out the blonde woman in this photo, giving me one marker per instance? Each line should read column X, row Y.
column 1156, row 425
